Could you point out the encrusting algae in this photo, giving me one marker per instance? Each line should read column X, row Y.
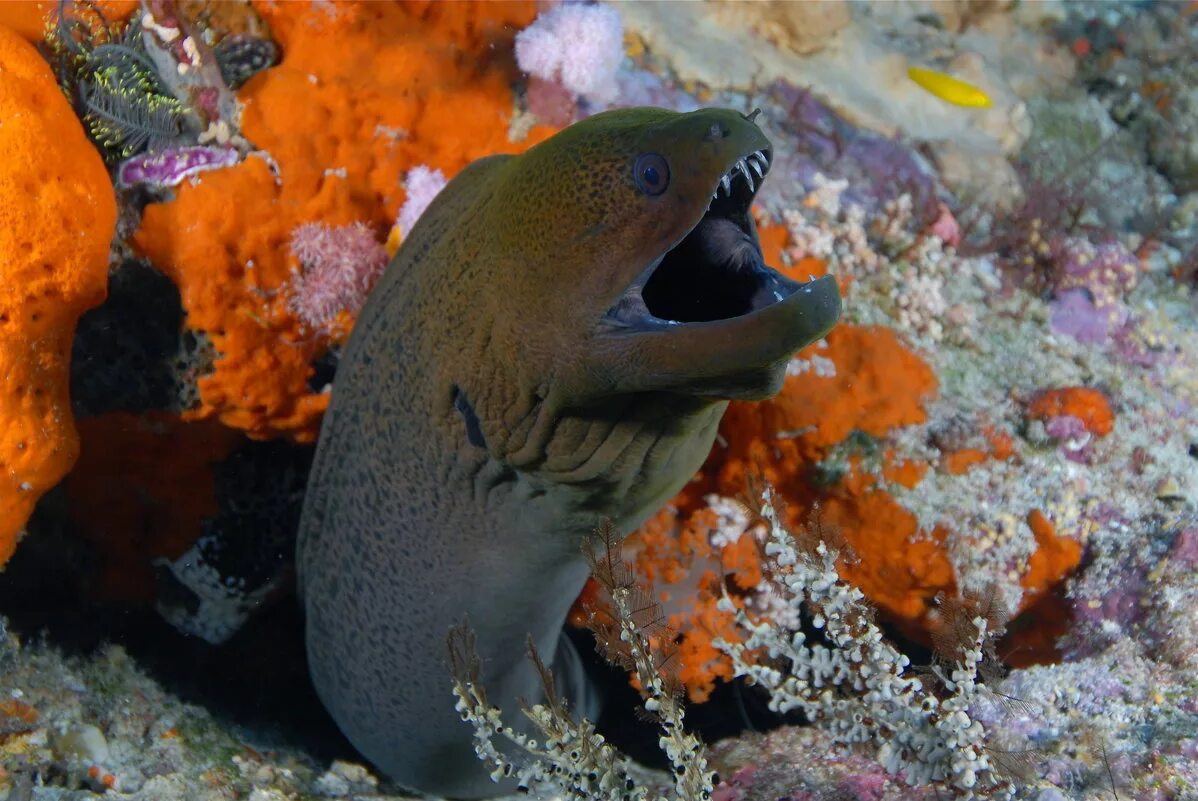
column 126, row 459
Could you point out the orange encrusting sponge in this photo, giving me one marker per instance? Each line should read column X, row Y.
column 57, row 220
column 1085, row 403
column 28, row 17
column 877, row 385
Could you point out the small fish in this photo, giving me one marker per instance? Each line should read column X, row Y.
column 949, row 89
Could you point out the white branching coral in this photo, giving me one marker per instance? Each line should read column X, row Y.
column 920, row 302
column 572, row 758
column 907, row 267
column 840, row 240
column 857, row 685
column 849, row 681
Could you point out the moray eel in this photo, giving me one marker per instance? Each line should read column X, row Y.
column 554, row 344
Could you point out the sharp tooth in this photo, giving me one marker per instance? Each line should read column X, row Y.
column 740, row 165
column 760, row 154
column 726, row 182
column 756, row 167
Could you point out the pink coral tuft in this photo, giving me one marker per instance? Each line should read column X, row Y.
column 340, row 266
column 422, row 185
column 946, row 227
column 579, row 46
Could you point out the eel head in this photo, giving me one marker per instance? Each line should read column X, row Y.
column 670, row 291
column 707, row 314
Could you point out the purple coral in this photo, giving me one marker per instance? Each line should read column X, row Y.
column 340, row 267
column 171, row 167
column 1090, row 281
column 1072, row 434
column 1108, row 271
column 1074, row 314
column 579, row 46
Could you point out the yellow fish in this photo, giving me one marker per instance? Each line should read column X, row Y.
column 949, row 89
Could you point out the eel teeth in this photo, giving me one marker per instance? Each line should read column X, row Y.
column 755, row 162
column 744, row 168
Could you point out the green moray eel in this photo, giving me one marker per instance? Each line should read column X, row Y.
column 553, row 345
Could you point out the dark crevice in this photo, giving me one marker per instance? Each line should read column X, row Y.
column 713, row 274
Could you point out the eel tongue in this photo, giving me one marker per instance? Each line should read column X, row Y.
column 735, row 358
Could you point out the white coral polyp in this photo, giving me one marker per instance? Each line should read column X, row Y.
column 578, row 46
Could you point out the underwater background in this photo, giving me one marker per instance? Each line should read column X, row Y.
column 976, row 498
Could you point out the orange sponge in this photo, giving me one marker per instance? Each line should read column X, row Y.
column 1085, row 403
column 28, row 17
column 57, row 219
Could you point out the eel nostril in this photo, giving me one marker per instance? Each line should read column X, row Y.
column 716, row 131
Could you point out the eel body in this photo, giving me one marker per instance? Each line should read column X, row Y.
column 553, row 345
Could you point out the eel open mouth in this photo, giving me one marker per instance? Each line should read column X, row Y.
column 717, row 272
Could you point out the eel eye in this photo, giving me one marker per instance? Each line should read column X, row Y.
column 652, row 173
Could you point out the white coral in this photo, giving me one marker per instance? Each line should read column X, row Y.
column 858, row 686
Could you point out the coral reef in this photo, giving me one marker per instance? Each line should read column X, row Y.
column 862, row 66
column 76, row 727
column 1008, row 412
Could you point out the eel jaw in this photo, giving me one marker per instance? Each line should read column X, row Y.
column 708, row 316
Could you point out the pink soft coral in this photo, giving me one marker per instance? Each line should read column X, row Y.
column 579, row 46
column 422, row 184
column 340, row 266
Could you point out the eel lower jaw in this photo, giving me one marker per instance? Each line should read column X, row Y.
column 736, row 358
